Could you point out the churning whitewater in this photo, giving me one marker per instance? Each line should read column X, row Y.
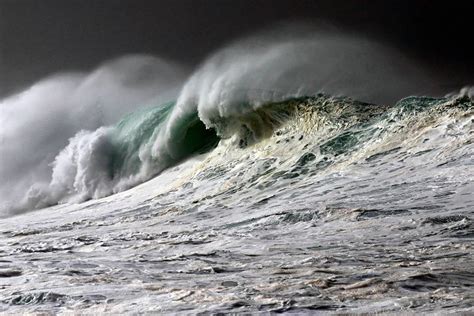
column 278, row 176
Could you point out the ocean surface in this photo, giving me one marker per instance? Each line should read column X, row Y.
column 307, row 205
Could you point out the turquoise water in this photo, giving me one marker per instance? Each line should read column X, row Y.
column 140, row 130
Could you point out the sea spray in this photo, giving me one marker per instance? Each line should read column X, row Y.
column 37, row 123
column 275, row 65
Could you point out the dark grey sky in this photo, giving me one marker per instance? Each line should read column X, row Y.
column 40, row 37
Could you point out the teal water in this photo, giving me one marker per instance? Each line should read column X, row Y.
column 133, row 138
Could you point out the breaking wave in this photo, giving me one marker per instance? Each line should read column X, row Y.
column 68, row 147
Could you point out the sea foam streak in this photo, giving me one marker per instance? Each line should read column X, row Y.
column 224, row 94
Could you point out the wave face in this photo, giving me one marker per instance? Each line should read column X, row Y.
column 110, row 160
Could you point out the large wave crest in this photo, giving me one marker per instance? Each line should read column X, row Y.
column 63, row 140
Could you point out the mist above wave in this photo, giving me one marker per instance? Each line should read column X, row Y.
column 296, row 61
column 38, row 122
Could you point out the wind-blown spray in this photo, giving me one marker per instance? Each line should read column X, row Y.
column 37, row 123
